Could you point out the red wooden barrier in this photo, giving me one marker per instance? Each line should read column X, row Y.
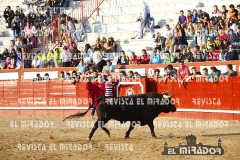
column 61, row 98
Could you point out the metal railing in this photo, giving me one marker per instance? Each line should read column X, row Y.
column 82, row 12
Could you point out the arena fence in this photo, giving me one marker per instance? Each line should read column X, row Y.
column 198, row 99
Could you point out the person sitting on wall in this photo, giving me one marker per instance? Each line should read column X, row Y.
column 182, row 73
column 214, row 75
column 230, row 71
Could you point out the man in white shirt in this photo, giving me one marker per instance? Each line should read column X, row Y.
column 29, row 10
column 168, row 31
column 36, row 62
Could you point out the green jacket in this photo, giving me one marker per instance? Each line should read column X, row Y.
column 42, row 57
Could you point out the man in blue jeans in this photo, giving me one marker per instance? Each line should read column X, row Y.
column 145, row 23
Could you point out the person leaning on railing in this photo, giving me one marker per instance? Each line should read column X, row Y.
column 214, row 75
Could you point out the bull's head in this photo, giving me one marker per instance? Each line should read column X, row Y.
column 169, row 104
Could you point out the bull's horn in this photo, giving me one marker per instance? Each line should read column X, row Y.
column 167, row 92
column 167, row 97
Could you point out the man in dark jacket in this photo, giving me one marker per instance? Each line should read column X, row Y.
column 198, row 56
column 8, row 15
column 232, row 54
column 230, row 71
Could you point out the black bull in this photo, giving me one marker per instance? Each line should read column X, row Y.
column 139, row 109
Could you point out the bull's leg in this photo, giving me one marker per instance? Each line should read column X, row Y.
column 131, row 127
column 151, row 126
column 104, row 128
column 95, row 127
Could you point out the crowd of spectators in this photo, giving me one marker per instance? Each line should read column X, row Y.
column 217, row 36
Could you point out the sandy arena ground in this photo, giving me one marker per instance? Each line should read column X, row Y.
column 19, row 143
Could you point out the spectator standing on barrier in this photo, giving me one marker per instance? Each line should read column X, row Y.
column 155, row 58
column 36, row 62
column 182, row 73
column 66, row 57
column 123, row 59
column 232, row 54
column 145, row 23
column 230, row 71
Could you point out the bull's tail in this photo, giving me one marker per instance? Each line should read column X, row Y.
column 84, row 113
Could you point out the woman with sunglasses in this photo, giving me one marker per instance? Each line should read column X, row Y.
column 208, row 44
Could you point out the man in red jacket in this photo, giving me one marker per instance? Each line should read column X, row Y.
column 145, row 57
column 95, row 90
column 183, row 72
